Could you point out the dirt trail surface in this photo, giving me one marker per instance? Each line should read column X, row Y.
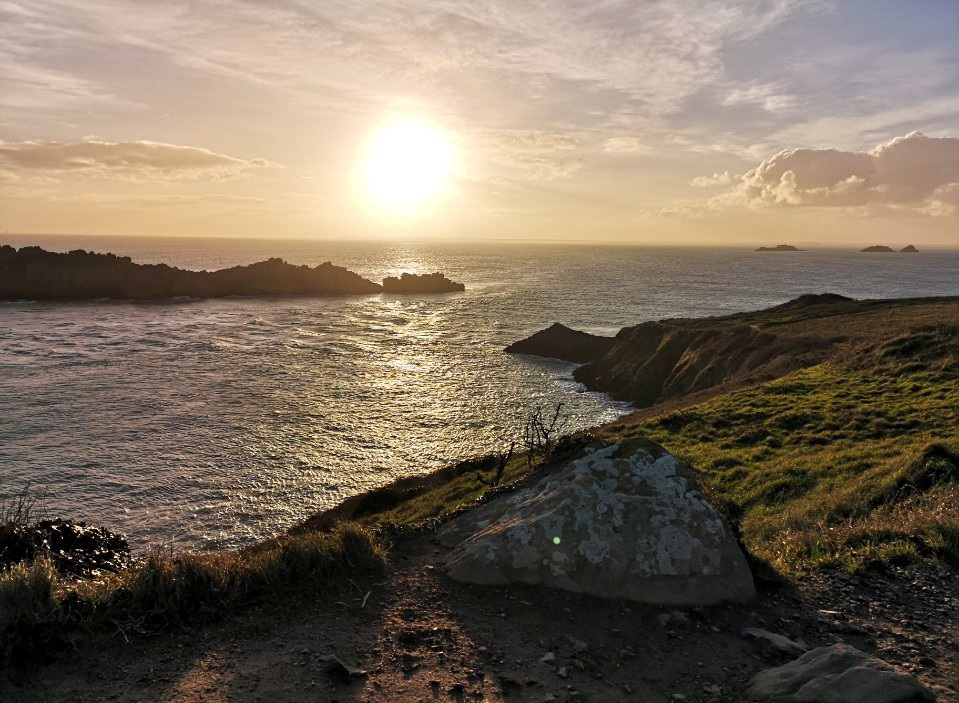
column 418, row 636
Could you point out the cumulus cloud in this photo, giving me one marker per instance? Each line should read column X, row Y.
column 622, row 145
column 123, row 159
column 913, row 172
column 717, row 179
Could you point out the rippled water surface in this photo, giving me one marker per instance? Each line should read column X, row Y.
column 213, row 423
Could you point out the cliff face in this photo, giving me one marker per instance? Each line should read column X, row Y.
column 35, row 274
column 656, row 361
column 561, row 342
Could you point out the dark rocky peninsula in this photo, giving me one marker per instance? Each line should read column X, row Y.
column 421, row 283
column 560, row 342
column 655, row 362
column 878, row 249
column 780, row 247
column 32, row 273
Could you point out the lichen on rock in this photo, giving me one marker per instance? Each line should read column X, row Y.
column 619, row 521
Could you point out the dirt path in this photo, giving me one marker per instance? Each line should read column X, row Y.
column 421, row 637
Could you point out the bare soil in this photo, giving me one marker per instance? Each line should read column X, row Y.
column 418, row 636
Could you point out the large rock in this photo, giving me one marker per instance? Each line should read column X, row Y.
column 623, row 521
column 837, row 674
column 561, row 342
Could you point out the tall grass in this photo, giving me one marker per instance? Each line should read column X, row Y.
column 165, row 589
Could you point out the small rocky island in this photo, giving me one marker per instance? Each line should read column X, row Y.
column 908, row 249
column 878, row 249
column 421, row 283
column 32, row 273
column 780, row 247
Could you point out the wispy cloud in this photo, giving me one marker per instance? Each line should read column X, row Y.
column 124, row 159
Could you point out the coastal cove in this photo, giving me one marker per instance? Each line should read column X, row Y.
column 225, row 421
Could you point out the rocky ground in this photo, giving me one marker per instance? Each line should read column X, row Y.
column 418, row 636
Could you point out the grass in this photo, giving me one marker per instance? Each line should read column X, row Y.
column 38, row 609
column 843, row 464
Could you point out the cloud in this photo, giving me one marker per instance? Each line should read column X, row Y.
column 542, row 168
column 622, row 145
column 529, row 140
column 717, row 179
column 532, row 151
column 912, row 173
column 124, row 159
column 768, row 96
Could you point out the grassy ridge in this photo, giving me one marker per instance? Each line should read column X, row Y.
column 840, row 464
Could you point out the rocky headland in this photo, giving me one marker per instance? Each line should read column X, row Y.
column 32, row 273
column 560, row 342
column 779, row 247
column 658, row 361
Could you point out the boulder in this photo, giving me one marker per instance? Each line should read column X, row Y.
column 561, row 342
column 837, row 674
column 624, row 520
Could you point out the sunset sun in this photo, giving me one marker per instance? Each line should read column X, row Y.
column 407, row 165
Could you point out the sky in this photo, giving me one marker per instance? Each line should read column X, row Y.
column 810, row 122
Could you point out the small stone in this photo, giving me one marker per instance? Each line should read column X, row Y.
column 561, row 672
column 548, row 657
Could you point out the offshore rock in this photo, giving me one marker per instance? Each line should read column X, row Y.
column 421, row 283
column 837, row 674
column 560, row 342
column 625, row 520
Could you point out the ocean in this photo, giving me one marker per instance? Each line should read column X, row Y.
column 215, row 423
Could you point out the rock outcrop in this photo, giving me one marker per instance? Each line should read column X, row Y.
column 779, row 247
column 421, row 283
column 31, row 273
column 75, row 548
column 560, row 342
column 837, row 674
column 878, row 249
column 624, row 520
column 908, row 249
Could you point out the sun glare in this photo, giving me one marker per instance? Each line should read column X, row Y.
column 407, row 165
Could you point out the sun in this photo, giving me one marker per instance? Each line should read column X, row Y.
column 408, row 164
